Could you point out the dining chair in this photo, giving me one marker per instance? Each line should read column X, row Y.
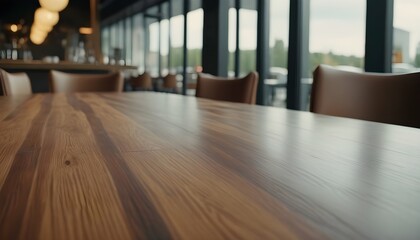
column 242, row 90
column 72, row 82
column 378, row 97
column 14, row 83
column 142, row 82
column 169, row 83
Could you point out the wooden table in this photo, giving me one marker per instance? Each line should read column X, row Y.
column 160, row 166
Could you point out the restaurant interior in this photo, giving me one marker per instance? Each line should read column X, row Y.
column 282, row 41
column 209, row 119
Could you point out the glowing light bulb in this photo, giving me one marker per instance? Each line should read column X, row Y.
column 54, row 5
column 43, row 28
column 36, row 39
column 38, row 32
column 85, row 30
column 14, row 28
column 46, row 17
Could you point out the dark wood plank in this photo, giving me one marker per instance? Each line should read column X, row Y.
column 151, row 165
column 17, row 185
column 142, row 216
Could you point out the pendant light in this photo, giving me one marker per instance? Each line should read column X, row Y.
column 54, row 5
column 46, row 17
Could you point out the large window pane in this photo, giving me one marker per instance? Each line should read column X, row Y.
column 105, row 40
column 177, row 43
column 164, row 39
column 194, row 44
column 337, row 33
column 128, row 39
column 336, row 38
column 279, row 38
column 247, row 25
column 152, row 61
column 195, row 38
column 247, row 40
column 138, row 42
column 406, row 54
column 164, row 46
column 232, row 41
column 113, row 43
column 152, row 41
column 119, row 53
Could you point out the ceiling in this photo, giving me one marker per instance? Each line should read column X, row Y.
column 74, row 16
column 15, row 11
column 22, row 11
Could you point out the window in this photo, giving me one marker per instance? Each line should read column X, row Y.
column 246, row 50
column 177, row 43
column 164, row 46
column 336, row 38
column 232, row 41
column 138, row 42
column 119, row 47
column 406, row 49
column 337, row 34
column 194, row 43
column 279, row 39
column 164, row 39
column 128, row 39
column 113, row 43
column 105, row 44
column 152, row 61
column 247, row 40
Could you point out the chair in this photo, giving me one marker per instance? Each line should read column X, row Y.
column 71, row 82
column 387, row 98
column 170, row 83
column 14, row 83
column 142, row 82
column 242, row 90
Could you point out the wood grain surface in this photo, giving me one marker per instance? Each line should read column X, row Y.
column 164, row 166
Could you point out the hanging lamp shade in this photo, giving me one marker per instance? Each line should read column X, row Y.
column 46, row 17
column 38, row 32
column 36, row 39
column 54, row 5
column 43, row 28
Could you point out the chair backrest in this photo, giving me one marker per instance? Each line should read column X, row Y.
column 14, row 83
column 387, row 98
column 71, row 82
column 169, row 82
column 143, row 82
column 241, row 90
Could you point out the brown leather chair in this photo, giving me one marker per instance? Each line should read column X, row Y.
column 241, row 90
column 387, row 98
column 71, row 82
column 170, row 83
column 142, row 82
column 14, row 83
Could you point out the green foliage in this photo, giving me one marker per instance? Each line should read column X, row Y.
column 177, row 57
column 278, row 55
column 278, row 58
column 417, row 60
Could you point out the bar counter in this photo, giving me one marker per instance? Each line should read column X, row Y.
column 38, row 70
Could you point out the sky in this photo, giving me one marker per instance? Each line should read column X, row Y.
column 407, row 17
column 337, row 26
